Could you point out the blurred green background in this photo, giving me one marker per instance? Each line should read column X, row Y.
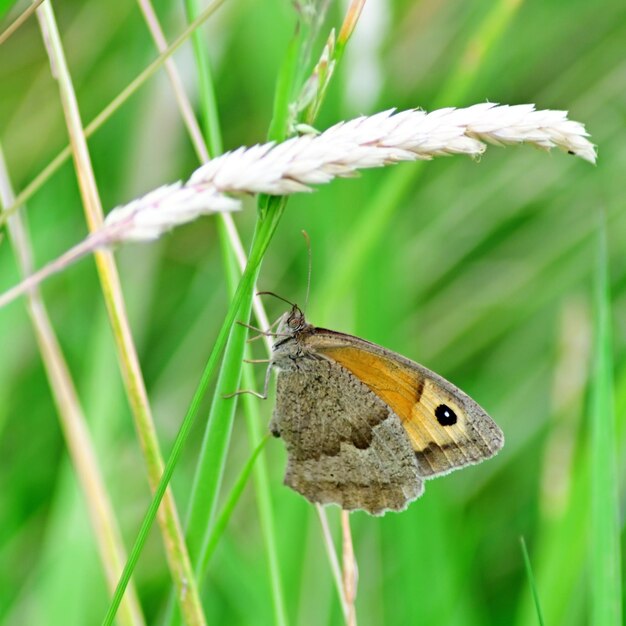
column 482, row 271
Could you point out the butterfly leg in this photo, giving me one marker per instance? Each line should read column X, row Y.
column 239, row 392
column 254, row 328
column 261, row 333
column 258, row 330
column 256, row 394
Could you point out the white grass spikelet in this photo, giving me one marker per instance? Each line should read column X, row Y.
column 385, row 138
column 296, row 164
column 148, row 217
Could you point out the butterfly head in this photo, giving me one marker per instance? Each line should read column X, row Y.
column 292, row 322
column 287, row 345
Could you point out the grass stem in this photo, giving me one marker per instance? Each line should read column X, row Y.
column 129, row 361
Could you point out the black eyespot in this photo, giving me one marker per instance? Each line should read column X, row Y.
column 445, row 415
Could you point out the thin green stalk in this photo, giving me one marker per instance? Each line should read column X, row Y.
column 208, row 103
column 264, row 503
column 210, row 469
column 108, row 111
column 261, row 481
column 217, row 436
column 605, row 574
column 212, row 461
column 263, row 234
column 228, row 236
column 531, row 581
column 285, row 89
column 171, row 530
column 208, row 479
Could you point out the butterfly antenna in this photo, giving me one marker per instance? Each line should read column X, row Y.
column 307, row 239
column 271, row 293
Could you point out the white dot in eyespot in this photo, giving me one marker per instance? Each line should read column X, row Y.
column 445, row 415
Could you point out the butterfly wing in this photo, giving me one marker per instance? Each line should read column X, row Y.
column 345, row 446
column 446, row 428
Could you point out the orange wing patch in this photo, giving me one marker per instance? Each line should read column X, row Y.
column 412, row 397
column 399, row 387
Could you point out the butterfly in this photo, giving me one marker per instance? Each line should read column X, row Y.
column 364, row 427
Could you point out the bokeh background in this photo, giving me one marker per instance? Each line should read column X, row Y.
column 481, row 270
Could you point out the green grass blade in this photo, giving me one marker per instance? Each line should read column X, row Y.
column 210, row 470
column 531, row 581
column 221, row 522
column 266, row 511
column 216, row 442
column 207, row 482
column 208, row 103
column 264, row 503
column 261, row 481
column 279, row 126
column 243, row 293
column 605, row 566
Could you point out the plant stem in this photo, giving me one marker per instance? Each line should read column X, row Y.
column 127, row 355
column 263, row 234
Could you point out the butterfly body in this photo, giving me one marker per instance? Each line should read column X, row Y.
column 364, row 426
